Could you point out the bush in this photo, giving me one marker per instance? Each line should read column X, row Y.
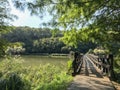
column 69, row 66
column 3, row 84
column 15, row 82
column 12, row 82
column 14, row 76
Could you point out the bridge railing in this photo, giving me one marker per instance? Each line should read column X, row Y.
column 104, row 63
column 77, row 63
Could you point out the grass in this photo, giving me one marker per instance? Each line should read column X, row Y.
column 15, row 76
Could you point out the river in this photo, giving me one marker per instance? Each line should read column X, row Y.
column 36, row 60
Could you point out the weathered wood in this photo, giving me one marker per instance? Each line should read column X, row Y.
column 91, row 80
column 99, row 63
column 103, row 63
column 112, row 75
column 77, row 63
column 80, row 65
column 82, row 82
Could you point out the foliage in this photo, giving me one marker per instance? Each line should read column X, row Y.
column 48, row 45
column 69, row 63
column 117, row 62
column 5, row 17
column 69, row 66
column 15, row 48
column 13, row 82
column 96, row 20
column 100, row 50
column 116, row 67
column 43, row 40
column 13, row 76
column 3, row 46
column 56, row 32
column 70, row 38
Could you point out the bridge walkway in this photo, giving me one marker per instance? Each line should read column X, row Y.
column 90, row 78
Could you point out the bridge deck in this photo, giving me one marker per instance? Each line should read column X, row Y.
column 90, row 78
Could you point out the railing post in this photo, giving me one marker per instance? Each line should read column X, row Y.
column 100, row 60
column 111, row 59
column 99, row 66
column 74, row 64
column 103, row 61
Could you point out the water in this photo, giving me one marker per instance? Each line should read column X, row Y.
column 36, row 60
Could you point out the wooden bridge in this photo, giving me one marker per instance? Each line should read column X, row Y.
column 93, row 73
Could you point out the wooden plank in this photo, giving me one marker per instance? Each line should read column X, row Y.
column 82, row 82
column 91, row 82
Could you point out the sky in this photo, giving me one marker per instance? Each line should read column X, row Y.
column 25, row 19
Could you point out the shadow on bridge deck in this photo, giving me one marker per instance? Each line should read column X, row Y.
column 90, row 78
column 89, row 69
column 82, row 82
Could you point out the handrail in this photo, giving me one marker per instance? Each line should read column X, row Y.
column 105, row 67
column 77, row 64
column 105, row 63
column 99, row 63
column 80, row 64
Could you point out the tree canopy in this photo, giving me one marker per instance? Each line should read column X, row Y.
column 5, row 16
column 39, row 40
column 84, row 20
column 92, row 20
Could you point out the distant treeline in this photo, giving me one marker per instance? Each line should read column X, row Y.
column 42, row 40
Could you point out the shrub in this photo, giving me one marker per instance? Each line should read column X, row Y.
column 14, row 76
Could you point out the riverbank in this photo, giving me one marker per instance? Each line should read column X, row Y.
column 47, row 54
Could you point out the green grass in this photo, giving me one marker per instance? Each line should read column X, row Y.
column 15, row 76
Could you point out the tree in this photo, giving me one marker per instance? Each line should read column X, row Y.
column 99, row 19
column 5, row 16
column 15, row 48
column 43, row 40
